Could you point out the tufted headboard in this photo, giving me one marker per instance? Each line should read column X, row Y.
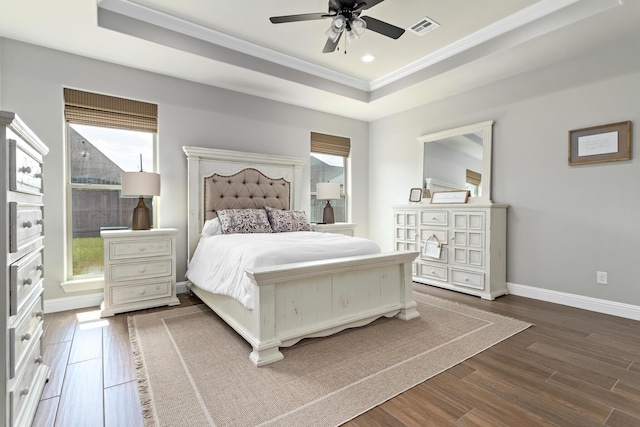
column 223, row 179
column 247, row 189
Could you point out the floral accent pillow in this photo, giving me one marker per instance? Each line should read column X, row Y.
column 235, row 221
column 286, row 221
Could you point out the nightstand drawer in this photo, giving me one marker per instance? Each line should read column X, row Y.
column 467, row 279
column 26, row 225
column 24, row 276
column 26, row 329
column 140, row 270
column 25, row 171
column 122, row 250
column 133, row 293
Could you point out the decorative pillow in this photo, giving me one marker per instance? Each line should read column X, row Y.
column 212, row 227
column 285, row 221
column 244, row 221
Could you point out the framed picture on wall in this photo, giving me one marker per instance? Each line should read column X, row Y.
column 596, row 144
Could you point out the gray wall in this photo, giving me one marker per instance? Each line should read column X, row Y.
column 564, row 222
column 189, row 114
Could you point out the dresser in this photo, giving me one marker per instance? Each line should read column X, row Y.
column 346, row 228
column 139, row 269
column 471, row 256
column 22, row 234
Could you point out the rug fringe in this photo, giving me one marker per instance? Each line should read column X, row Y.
column 144, row 388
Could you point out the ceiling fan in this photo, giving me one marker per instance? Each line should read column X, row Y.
column 345, row 15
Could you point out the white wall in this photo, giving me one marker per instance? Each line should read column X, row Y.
column 564, row 222
column 32, row 79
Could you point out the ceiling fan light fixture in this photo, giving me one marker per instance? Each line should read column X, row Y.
column 358, row 25
column 333, row 34
column 338, row 22
column 352, row 36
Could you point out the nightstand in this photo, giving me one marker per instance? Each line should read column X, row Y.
column 347, row 228
column 139, row 269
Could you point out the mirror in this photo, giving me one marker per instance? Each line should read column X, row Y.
column 458, row 159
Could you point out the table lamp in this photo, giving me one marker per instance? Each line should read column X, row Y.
column 327, row 191
column 140, row 184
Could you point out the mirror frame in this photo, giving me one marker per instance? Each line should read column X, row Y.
column 487, row 139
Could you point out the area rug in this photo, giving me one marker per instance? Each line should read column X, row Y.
column 194, row 370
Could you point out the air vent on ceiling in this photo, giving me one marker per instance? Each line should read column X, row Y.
column 423, row 26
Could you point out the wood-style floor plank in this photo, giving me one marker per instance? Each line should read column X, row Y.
column 122, row 406
column 572, row 368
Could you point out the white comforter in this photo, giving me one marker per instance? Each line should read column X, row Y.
column 219, row 262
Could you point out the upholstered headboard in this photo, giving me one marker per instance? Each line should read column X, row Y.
column 247, row 189
column 223, row 179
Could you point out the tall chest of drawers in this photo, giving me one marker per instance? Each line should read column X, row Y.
column 22, row 234
column 472, row 238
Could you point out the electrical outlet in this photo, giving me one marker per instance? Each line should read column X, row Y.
column 601, row 277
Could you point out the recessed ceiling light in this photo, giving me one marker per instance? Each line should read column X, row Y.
column 368, row 58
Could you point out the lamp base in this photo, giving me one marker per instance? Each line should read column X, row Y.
column 327, row 214
column 141, row 219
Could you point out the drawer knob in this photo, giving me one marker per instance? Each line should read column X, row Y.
column 466, row 279
column 40, row 268
column 38, row 359
column 38, row 175
column 25, row 169
column 24, row 391
column 27, row 281
column 433, row 272
column 39, row 313
column 142, row 249
column 26, row 337
column 40, row 221
column 27, row 224
column 142, row 292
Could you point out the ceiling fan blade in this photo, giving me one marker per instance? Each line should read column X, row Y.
column 297, row 18
column 331, row 46
column 383, row 28
column 368, row 4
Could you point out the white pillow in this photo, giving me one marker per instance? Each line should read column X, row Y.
column 212, row 227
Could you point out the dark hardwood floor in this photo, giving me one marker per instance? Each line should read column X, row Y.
column 572, row 368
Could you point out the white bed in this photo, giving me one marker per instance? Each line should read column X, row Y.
column 296, row 300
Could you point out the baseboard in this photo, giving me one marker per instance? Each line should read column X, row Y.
column 89, row 300
column 73, row 303
column 578, row 301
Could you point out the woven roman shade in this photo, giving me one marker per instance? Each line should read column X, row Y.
column 473, row 178
column 94, row 109
column 329, row 144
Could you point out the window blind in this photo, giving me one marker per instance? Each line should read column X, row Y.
column 329, row 144
column 94, row 109
column 473, row 178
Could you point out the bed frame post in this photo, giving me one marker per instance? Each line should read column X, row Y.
column 409, row 311
column 267, row 349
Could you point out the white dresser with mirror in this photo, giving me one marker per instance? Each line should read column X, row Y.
column 467, row 240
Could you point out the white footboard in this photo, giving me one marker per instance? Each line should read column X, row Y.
column 319, row 298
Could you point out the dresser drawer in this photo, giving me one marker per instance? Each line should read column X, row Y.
column 434, row 218
column 127, row 249
column 133, row 293
column 25, row 385
column 468, row 279
column 26, row 224
column 25, row 171
column 432, row 272
column 26, row 328
column 140, row 270
column 25, row 275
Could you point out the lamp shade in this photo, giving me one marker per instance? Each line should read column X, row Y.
column 140, row 184
column 327, row 191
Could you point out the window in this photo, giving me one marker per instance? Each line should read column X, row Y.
column 329, row 160
column 105, row 137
